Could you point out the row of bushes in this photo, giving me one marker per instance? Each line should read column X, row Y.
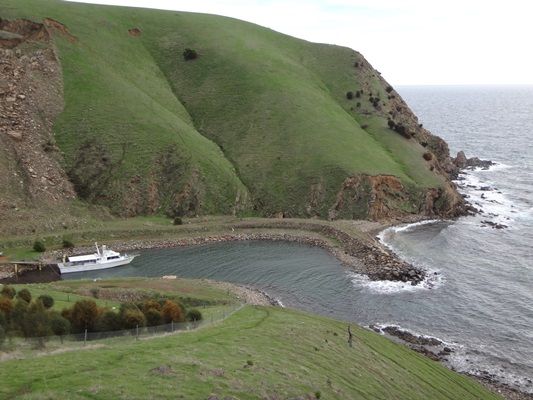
column 20, row 315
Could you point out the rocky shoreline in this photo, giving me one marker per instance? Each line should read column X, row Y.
column 368, row 257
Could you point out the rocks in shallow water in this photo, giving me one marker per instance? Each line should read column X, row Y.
column 408, row 337
column 494, row 225
column 462, row 162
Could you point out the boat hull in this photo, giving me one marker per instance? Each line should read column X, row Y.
column 65, row 268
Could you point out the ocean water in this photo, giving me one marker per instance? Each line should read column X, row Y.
column 479, row 297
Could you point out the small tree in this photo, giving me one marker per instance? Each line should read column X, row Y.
column 349, row 95
column 153, row 317
column 67, row 244
column 108, row 321
column 172, row 312
column 428, row 156
column 39, row 246
column 194, row 315
column 6, row 306
column 2, row 336
column 83, row 315
column 18, row 313
column 190, row 54
column 36, row 323
column 177, row 221
column 24, row 294
column 48, row 301
column 3, row 320
column 60, row 326
column 8, row 291
column 132, row 318
column 151, row 304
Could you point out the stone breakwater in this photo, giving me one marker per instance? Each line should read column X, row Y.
column 363, row 256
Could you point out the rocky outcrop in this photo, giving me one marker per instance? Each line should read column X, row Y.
column 461, row 162
column 384, row 197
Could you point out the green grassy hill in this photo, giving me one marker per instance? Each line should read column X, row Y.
column 258, row 352
column 258, row 124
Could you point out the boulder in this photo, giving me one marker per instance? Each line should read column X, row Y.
column 460, row 160
column 15, row 135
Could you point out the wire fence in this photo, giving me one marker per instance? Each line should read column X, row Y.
column 21, row 346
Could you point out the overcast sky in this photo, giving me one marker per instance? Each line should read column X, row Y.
column 408, row 41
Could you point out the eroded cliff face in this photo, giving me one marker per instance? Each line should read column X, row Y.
column 385, row 197
column 31, row 97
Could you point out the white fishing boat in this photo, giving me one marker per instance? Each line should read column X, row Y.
column 102, row 259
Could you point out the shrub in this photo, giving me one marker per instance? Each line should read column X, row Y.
column 6, row 306
column 153, row 317
column 177, row 221
column 48, row 301
column 358, row 94
column 24, row 294
column 318, row 395
column 349, row 95
column 108, row 321
column 59, row 325
column 358, row 104
column 67, row 244
column 17, row 314
column 36, row 323
column 189, row 54
column 427, row 156
column 151, row 304
column 249, row 362
column 389, row 89
column 356, row 64
column 172, row 312
column 194, row 315
column 8, row 291
column 2, row 336
column 83, row 315
column 39, row 246
column 132, row 318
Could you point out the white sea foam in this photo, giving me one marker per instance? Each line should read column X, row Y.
column 494, row 204
column 381, row 326
column 432, row 280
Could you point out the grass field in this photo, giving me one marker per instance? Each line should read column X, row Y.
column 258, row 352
column 258, row 124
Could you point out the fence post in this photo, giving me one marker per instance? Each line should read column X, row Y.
column 171, row 326
column 85, row 337
column 137, row 329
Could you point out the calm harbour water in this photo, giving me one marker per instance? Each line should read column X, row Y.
column 482, row 299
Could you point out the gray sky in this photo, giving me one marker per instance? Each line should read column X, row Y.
column 408, row 41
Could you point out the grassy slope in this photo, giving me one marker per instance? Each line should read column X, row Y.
column 115, row 92
column 293, row 354
column 275, row 104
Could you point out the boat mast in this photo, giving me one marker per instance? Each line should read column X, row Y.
column 97, row 249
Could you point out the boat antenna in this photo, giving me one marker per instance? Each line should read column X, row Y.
column 97, row 249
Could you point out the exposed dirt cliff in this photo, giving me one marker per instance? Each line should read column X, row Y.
column 31, row 97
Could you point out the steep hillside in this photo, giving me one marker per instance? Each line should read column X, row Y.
column 258, row 122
